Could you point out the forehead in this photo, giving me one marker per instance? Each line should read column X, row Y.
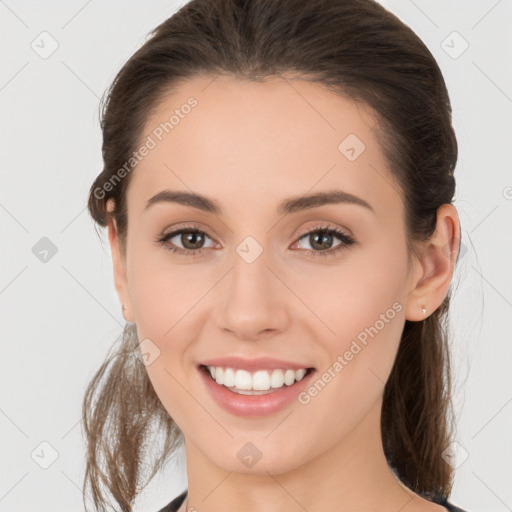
column 239, row 140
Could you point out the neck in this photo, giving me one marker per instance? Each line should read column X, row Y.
column 352, row 475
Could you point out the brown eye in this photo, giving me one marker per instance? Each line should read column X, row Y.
column 191, row 240
column 322, row 236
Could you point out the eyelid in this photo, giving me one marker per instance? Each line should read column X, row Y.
column 167, row 235
column 324, row 226
column 192, row 226
column 320, row 225
column 346, row 239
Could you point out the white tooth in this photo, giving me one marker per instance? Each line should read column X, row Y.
column 229, row 377
column 250, row 392
column 243, row 379
column 289, row 377
column 219, row 375
column 277, row 379
column 261, row 380
column 299, row 374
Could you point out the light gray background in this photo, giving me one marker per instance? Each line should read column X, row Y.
column 59, row 317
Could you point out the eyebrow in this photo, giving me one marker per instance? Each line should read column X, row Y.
column 288, row 206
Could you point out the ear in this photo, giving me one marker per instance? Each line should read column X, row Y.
column 119, row 264
column 433, row 268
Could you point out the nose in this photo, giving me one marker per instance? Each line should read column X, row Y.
column 252, row 302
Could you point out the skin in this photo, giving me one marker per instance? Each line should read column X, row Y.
column 248, row 146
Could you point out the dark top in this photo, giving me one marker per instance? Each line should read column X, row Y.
column 175, row 504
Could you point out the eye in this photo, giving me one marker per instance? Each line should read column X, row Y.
column 320, row 236
column 191, row 237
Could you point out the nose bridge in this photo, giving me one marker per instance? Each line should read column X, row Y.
column 250, row 275
column 254, row 298
column 250, row 280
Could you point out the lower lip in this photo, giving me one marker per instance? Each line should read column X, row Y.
column 253, row 405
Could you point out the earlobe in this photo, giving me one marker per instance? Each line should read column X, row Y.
column 119, row 267
column 436, row 265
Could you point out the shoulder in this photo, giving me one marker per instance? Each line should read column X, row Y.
column 450, row 507
column 175, row 504
column 435, row 502
column 453, row 508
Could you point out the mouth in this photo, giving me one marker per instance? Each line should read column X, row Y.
column 261, row 382
column 255, row 403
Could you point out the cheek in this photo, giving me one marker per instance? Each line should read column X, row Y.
column 365, row 314
column 166, row 298
column 362, row 305
column 163, row 292
column 173, row 389
column 354, row 294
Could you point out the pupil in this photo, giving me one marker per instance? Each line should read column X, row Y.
column 324, row 238
column 191, row 237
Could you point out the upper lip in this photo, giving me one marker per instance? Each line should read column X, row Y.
column 250, row 365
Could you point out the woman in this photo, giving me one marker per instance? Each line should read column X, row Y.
column 277, row 188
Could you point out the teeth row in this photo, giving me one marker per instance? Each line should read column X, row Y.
column 261, row 380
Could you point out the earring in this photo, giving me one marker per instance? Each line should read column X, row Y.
column 125, row 312
column 423, row 309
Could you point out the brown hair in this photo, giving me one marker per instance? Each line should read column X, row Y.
column 360, row 50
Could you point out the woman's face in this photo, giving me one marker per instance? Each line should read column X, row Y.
column 262, row 286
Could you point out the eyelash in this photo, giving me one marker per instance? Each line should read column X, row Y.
column 346, row 240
